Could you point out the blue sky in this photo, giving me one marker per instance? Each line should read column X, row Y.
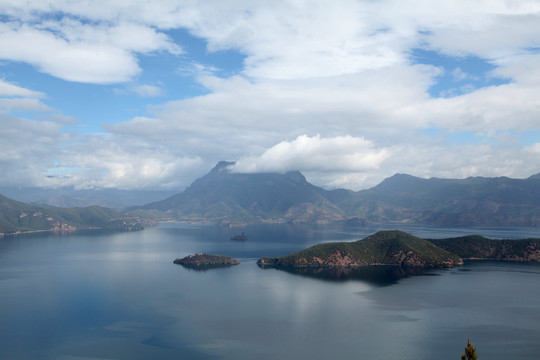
column 134, row 95
column 459, row 75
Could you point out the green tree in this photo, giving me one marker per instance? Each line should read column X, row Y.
column 470, row 352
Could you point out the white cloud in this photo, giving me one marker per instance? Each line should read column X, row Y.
column 148, row 90
column 305, row 153
column 496, row 108
column 524, row 69
column 31, row 151
column 8, row 89
column 338, row 69
column 459, row 75
column 22, row 104
column 489, row 32
column 341, row 161
column 244, row 120
column 25, row 147
column 116, row 163
column 293, row 39
column 535, row 148
column 75, row 51
column 16, row 98
column 196, row 70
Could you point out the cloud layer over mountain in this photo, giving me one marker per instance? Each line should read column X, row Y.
column 348, row 92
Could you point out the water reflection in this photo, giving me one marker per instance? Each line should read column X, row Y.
column 374, row 275
column 203, row 268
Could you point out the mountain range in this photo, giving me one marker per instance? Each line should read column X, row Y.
column 71, row 197
column 225, row 197
column 228, row 198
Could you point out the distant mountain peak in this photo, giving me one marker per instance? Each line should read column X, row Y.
column 220, row 166
column 296, row 176
column 398, row 181
column 224, row 196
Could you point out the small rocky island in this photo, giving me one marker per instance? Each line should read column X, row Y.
column 202, row 260
column 239, row 237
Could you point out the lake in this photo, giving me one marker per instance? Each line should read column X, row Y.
column 97, row 295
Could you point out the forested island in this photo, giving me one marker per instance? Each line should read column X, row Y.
column 399, row 248
column 206, row 260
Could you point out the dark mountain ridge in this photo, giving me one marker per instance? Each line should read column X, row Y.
column 451, row 202
column 225, row 197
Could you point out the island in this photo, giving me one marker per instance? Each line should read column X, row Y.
column 239, row 237
column 202, row 260
column 399, row 248
column 382, row 248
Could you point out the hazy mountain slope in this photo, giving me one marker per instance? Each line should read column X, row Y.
column 17, row 216
column 451, row 202
column 70, row 197
column 231, row 197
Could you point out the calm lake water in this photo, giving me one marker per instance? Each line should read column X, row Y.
column 93, row 295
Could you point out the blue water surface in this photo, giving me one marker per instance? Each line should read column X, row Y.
column 99, row 295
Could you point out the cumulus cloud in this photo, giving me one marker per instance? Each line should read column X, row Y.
column 39, row 153
column 357, row 163
column 341, row 153
column 341, row 161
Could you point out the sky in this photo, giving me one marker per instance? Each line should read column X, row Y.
column 139, row 94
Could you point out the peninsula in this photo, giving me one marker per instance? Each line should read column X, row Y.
column 402, row 249
column 382, row 248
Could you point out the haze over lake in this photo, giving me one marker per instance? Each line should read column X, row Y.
column 95, row 295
